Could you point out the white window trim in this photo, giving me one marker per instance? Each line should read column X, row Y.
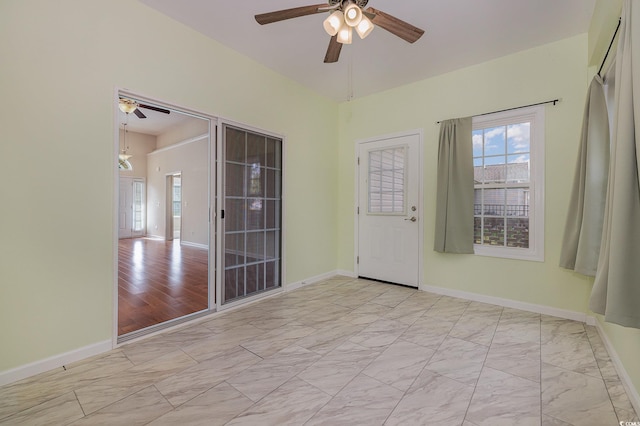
column 535, row 252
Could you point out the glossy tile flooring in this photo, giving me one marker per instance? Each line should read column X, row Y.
column 341, row 352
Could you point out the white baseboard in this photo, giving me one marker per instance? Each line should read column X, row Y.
column 47, row 364
column 196, row 245
column 345, row 273
column 634, row 397
column 508, row 303
column 311, row 280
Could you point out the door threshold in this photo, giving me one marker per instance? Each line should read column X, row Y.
column 388, row 282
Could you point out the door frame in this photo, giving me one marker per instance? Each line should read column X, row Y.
column 212, row 178
column 356, row 217
column 169, row 225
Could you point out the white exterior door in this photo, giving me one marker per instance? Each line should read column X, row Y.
column 389, row 204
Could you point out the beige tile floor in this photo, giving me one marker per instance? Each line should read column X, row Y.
column 341, row 352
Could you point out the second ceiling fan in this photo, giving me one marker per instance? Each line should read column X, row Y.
column 346, row 15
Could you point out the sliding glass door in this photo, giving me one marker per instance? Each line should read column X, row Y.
column 252, row 213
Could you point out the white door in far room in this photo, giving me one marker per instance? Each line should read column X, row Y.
column 389, row 204
column 125, row 208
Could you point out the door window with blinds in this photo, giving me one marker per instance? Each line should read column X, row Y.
column 253, row 213
column 387, row 181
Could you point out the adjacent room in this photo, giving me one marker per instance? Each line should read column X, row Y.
column 356, row 212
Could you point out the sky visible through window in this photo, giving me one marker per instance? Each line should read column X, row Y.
column 512, row 140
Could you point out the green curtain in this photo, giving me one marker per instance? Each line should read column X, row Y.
column 455, row 192
column 583, row 231
column 616, row 290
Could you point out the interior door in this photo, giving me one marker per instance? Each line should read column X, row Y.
column 389, row 230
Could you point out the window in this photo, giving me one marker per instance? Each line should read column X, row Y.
column 177, row 196
column 508, row 160
column 386, row 181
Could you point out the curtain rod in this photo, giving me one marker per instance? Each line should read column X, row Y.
column 610, row 44
column 552, row 101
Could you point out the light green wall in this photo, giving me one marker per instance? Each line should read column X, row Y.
column 61, row 64
column 552, row 71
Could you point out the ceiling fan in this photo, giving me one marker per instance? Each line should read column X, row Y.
column 129, row 106
column 346, row 15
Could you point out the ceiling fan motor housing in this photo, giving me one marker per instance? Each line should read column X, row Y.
column 360, row 3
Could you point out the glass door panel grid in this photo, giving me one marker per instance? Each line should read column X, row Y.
column 252, row 244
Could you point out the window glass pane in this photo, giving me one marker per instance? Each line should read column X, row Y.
column 493, row 231
column 494, row 170
column 477, row 143
column 235, row 145
column 273, row 153
column 272, row 183
column 255, row 246
column 518, row 202
column 493, row 202
column 255, row 213
column 234, row 253
column 234, row 215
column 518, row 168
column 255, row 180
column 272, row 244
column 518, row 138
column 494, row 141
column 234, row 180
column 254, row 278
column 478, row 170
column 233, row 283
column 518, row 232
column 477, row 230
column 386, row 181
column 256, row 149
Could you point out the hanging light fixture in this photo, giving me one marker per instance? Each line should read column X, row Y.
column 364, row 27
column 344, row 34
column 342, row 21
column 333, row 23
column 352, row 14
column 124, row 156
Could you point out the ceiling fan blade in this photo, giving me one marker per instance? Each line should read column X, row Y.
column 153, row 108
column 333, row 51
column 139, row 113
column 281, row 15
column 396, row 26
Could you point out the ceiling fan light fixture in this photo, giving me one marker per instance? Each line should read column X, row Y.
column 364, row 27
column 333, row 23
column 352, row 14
column 345, row 34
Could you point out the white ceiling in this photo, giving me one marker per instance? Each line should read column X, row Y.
column 458, row 33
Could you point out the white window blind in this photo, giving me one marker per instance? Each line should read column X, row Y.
column 387, row 176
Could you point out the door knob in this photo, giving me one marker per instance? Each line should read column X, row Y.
column 412, row 218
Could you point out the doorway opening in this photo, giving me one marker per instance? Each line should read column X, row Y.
column 174, row 206
column 165, row 256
